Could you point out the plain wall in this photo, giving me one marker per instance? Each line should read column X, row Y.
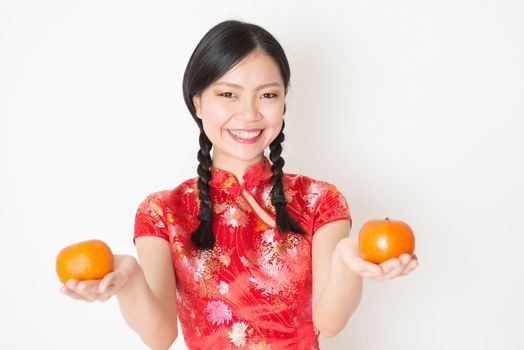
column 412, row 108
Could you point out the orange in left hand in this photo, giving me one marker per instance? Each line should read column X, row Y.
column 380, row 240
column 88, row 260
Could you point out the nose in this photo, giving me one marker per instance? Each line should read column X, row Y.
column 248, row 110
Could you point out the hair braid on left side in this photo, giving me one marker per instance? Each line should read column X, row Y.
column 203, row 236
column 284, row 221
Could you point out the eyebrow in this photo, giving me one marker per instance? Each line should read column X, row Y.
column 227, row 83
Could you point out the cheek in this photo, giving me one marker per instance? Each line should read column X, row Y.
column 274, row 114
column 216, row 115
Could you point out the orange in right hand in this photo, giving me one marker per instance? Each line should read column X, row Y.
column 88, row 260
column 380, row 240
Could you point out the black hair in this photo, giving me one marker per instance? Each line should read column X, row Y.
column 222, row 47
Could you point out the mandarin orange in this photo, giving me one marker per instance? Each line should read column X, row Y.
column 380, row 240
column 85, row 260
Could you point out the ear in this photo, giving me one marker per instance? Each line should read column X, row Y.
column 196, row 103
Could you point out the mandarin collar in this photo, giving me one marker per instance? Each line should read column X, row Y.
column 254, row 175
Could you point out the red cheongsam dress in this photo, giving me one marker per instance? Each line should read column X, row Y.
column 253, row 290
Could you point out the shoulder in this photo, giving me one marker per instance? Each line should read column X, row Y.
column 164, row 207
column 187, row 188
column 307, row 184
column 321, row 199
column 169, row 197
column 318, row 195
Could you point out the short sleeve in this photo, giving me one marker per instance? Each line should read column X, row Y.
column 332, row 206
column 150, row 218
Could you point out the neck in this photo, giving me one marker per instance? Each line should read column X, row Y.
column 235, row 166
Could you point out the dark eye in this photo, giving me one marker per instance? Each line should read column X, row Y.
column 227, row 94
column 269, row 95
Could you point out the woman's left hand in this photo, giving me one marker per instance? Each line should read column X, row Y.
column 347, row 250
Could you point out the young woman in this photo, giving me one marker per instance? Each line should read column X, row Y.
column 245, row 256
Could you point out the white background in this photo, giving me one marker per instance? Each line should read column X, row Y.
column 412, row 108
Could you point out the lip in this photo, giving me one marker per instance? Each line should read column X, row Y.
column 248, row 141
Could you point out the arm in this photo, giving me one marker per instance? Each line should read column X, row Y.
column 148, row 300
column 336, row 289
column 337, row 275
column 146, row 293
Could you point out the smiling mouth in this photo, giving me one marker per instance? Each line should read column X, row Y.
column 246, row 136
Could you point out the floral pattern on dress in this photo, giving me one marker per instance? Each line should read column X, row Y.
column 253, row 290
column 218, row 312
column 235, row 217
column 238, row 334
column 272, row 278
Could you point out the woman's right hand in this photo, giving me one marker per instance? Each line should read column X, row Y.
column 124, row 270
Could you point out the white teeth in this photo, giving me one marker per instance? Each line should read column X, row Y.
column 245, row 134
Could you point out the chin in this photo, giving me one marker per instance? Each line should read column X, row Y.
column 247, row 157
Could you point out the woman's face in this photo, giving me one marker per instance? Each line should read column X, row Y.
column 242, row 112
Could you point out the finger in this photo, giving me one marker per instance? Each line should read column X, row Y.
column 390, row 265
column 372, row 275
column 374, row 271
column 87, row 286
column 104, row 297
column 361, row 266
column 367, row 266
column 71, row 283
column 396, row 271
column 109, row 283
column 412, row 265
column 390, row 268
column 109, row 286
column 88, row 289
column 70, row 293
column 80, row 290
column 88, row 295
column 405, row 259
column 73, row 289
column 91, row 295
column 369, row 271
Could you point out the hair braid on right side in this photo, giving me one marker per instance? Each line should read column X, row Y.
column 203, row 236
column 284, row 221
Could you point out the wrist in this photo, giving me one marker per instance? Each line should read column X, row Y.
column 344, row 258
column 132, row 272
column 338, row 260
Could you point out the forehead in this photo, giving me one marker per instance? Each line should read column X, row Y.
column 255, row 69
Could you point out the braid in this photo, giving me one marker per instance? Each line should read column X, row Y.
column 203, row 236
column 284, row 221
